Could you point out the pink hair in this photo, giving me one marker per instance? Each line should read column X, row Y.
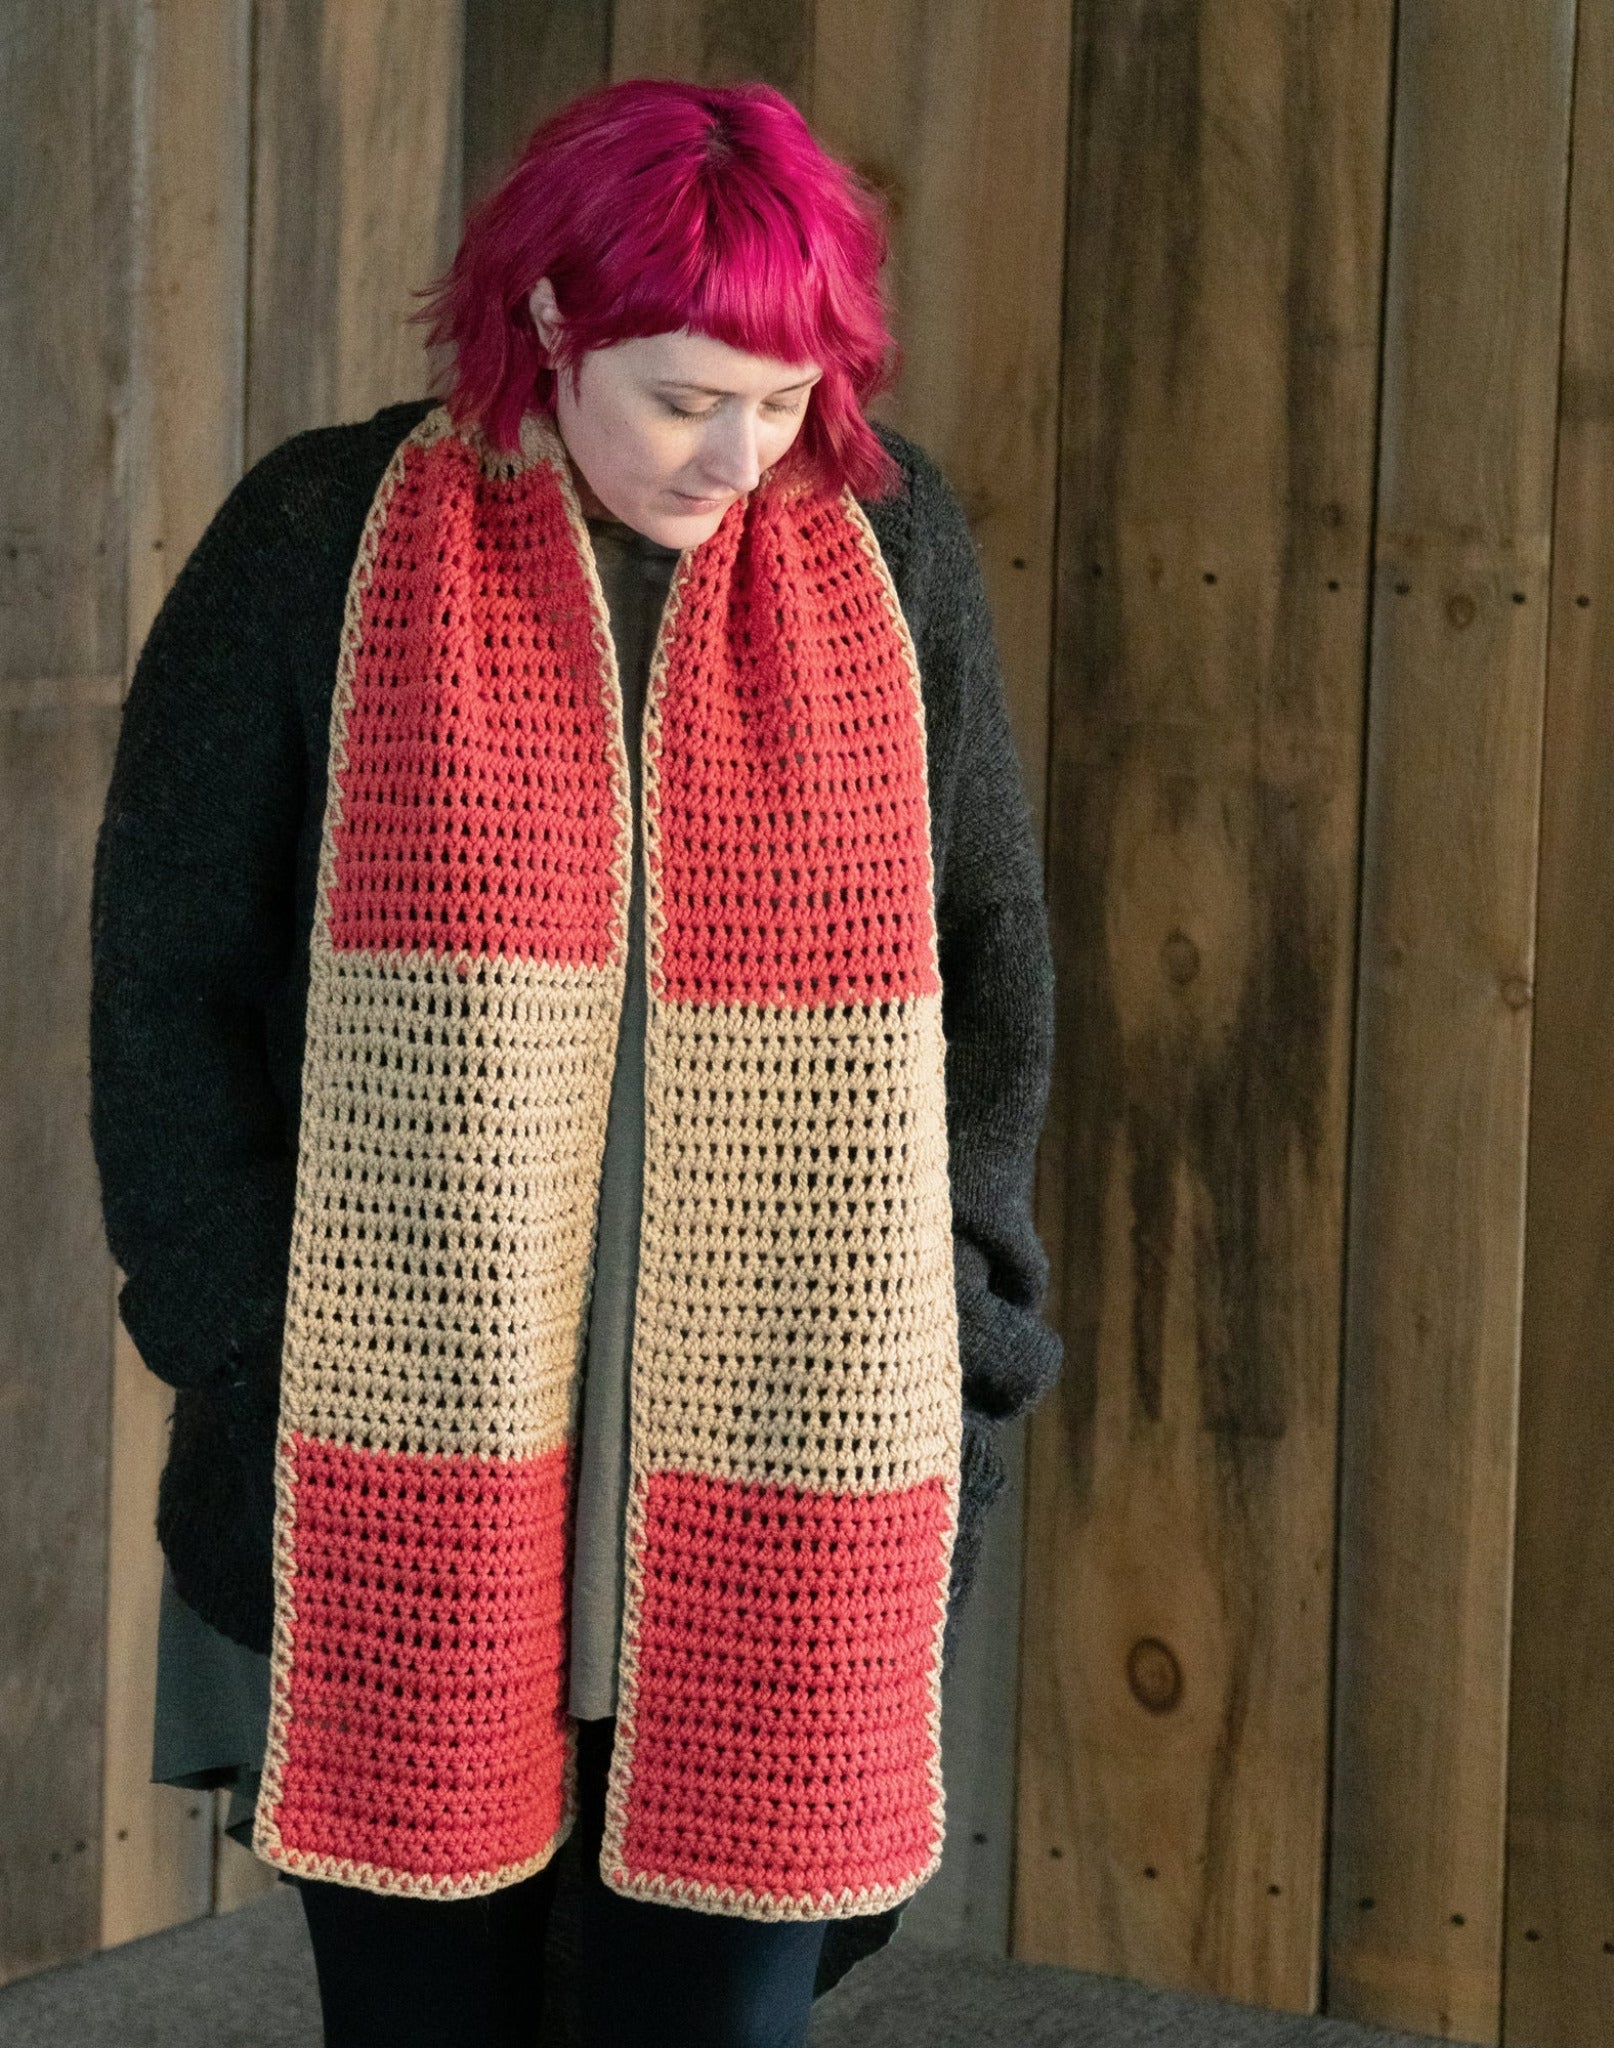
column 654, row 206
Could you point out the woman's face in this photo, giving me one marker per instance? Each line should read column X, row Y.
column 667, row 430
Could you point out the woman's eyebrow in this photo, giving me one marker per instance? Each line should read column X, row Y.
column 716, row 391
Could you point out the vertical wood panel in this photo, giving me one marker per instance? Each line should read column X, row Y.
column 720, row 42
column 1559, row 1957
column 1444, row 1011
column 959, row 110
column 523, row 59
column 356, row 203
column 66, row 98
column 1222, row 320
column 189, row 308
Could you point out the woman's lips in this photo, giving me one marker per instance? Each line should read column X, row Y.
column 700, row 504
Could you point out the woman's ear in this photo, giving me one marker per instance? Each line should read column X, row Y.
column 545, row 312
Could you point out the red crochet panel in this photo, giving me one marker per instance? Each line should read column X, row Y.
column 477, row 812
column 794, row 854
column 426, row 1733
column 781, row 1736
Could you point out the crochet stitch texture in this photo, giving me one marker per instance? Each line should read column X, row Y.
column 205, row 886
column 796, row 1384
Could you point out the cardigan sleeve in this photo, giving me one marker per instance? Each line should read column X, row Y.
column 997, row 1017
column 192, row 920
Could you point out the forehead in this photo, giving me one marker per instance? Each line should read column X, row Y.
column 698, row 359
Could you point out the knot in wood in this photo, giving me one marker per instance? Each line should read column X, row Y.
column 1155, row 1676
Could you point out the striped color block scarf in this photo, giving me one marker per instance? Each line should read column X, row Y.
column 794, row 1408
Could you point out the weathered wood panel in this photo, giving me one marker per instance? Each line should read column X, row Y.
column 720, row 42
column 184, row 452
column 1444, row 1012
column 1559, row 1956
column 355, row 203
column 523, row 59
column 959, row 110
column 66, row 105
column 1221, row 334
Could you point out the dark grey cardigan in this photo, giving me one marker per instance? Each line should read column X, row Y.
column 202, row 905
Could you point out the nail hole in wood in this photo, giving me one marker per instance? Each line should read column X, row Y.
column 1583, row 601
column 1401, row 589
column 1210, row 575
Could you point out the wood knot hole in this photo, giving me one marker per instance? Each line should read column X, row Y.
column 1155, row 1676
column 1460, row 609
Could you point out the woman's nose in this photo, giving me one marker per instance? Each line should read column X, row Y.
column 729, row 458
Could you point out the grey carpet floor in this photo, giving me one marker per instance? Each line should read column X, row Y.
column 246, row 1980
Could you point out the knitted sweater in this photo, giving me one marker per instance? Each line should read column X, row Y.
column 205, row 886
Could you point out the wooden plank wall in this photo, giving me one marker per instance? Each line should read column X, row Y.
column 1221, row 341
column 1559, row 1951
column 187, row 343
column 1444, row 1013
column 67, row 118
column 356, row 200
column 1268, row 303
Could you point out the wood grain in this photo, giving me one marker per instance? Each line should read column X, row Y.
column 66, row 118
column 959, row 111
column 356, row 203
column 1221, row 330
column 1444, row 1013
column 523, row 60
column 720, row 42
column 184, row 438
column 1559, row 1953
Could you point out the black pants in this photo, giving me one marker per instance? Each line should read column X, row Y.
column 446, row 1972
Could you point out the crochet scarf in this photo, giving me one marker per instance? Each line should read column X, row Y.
column 794, row 1408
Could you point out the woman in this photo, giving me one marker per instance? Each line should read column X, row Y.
column 566, row 900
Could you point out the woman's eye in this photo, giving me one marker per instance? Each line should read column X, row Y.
column 680, row 412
